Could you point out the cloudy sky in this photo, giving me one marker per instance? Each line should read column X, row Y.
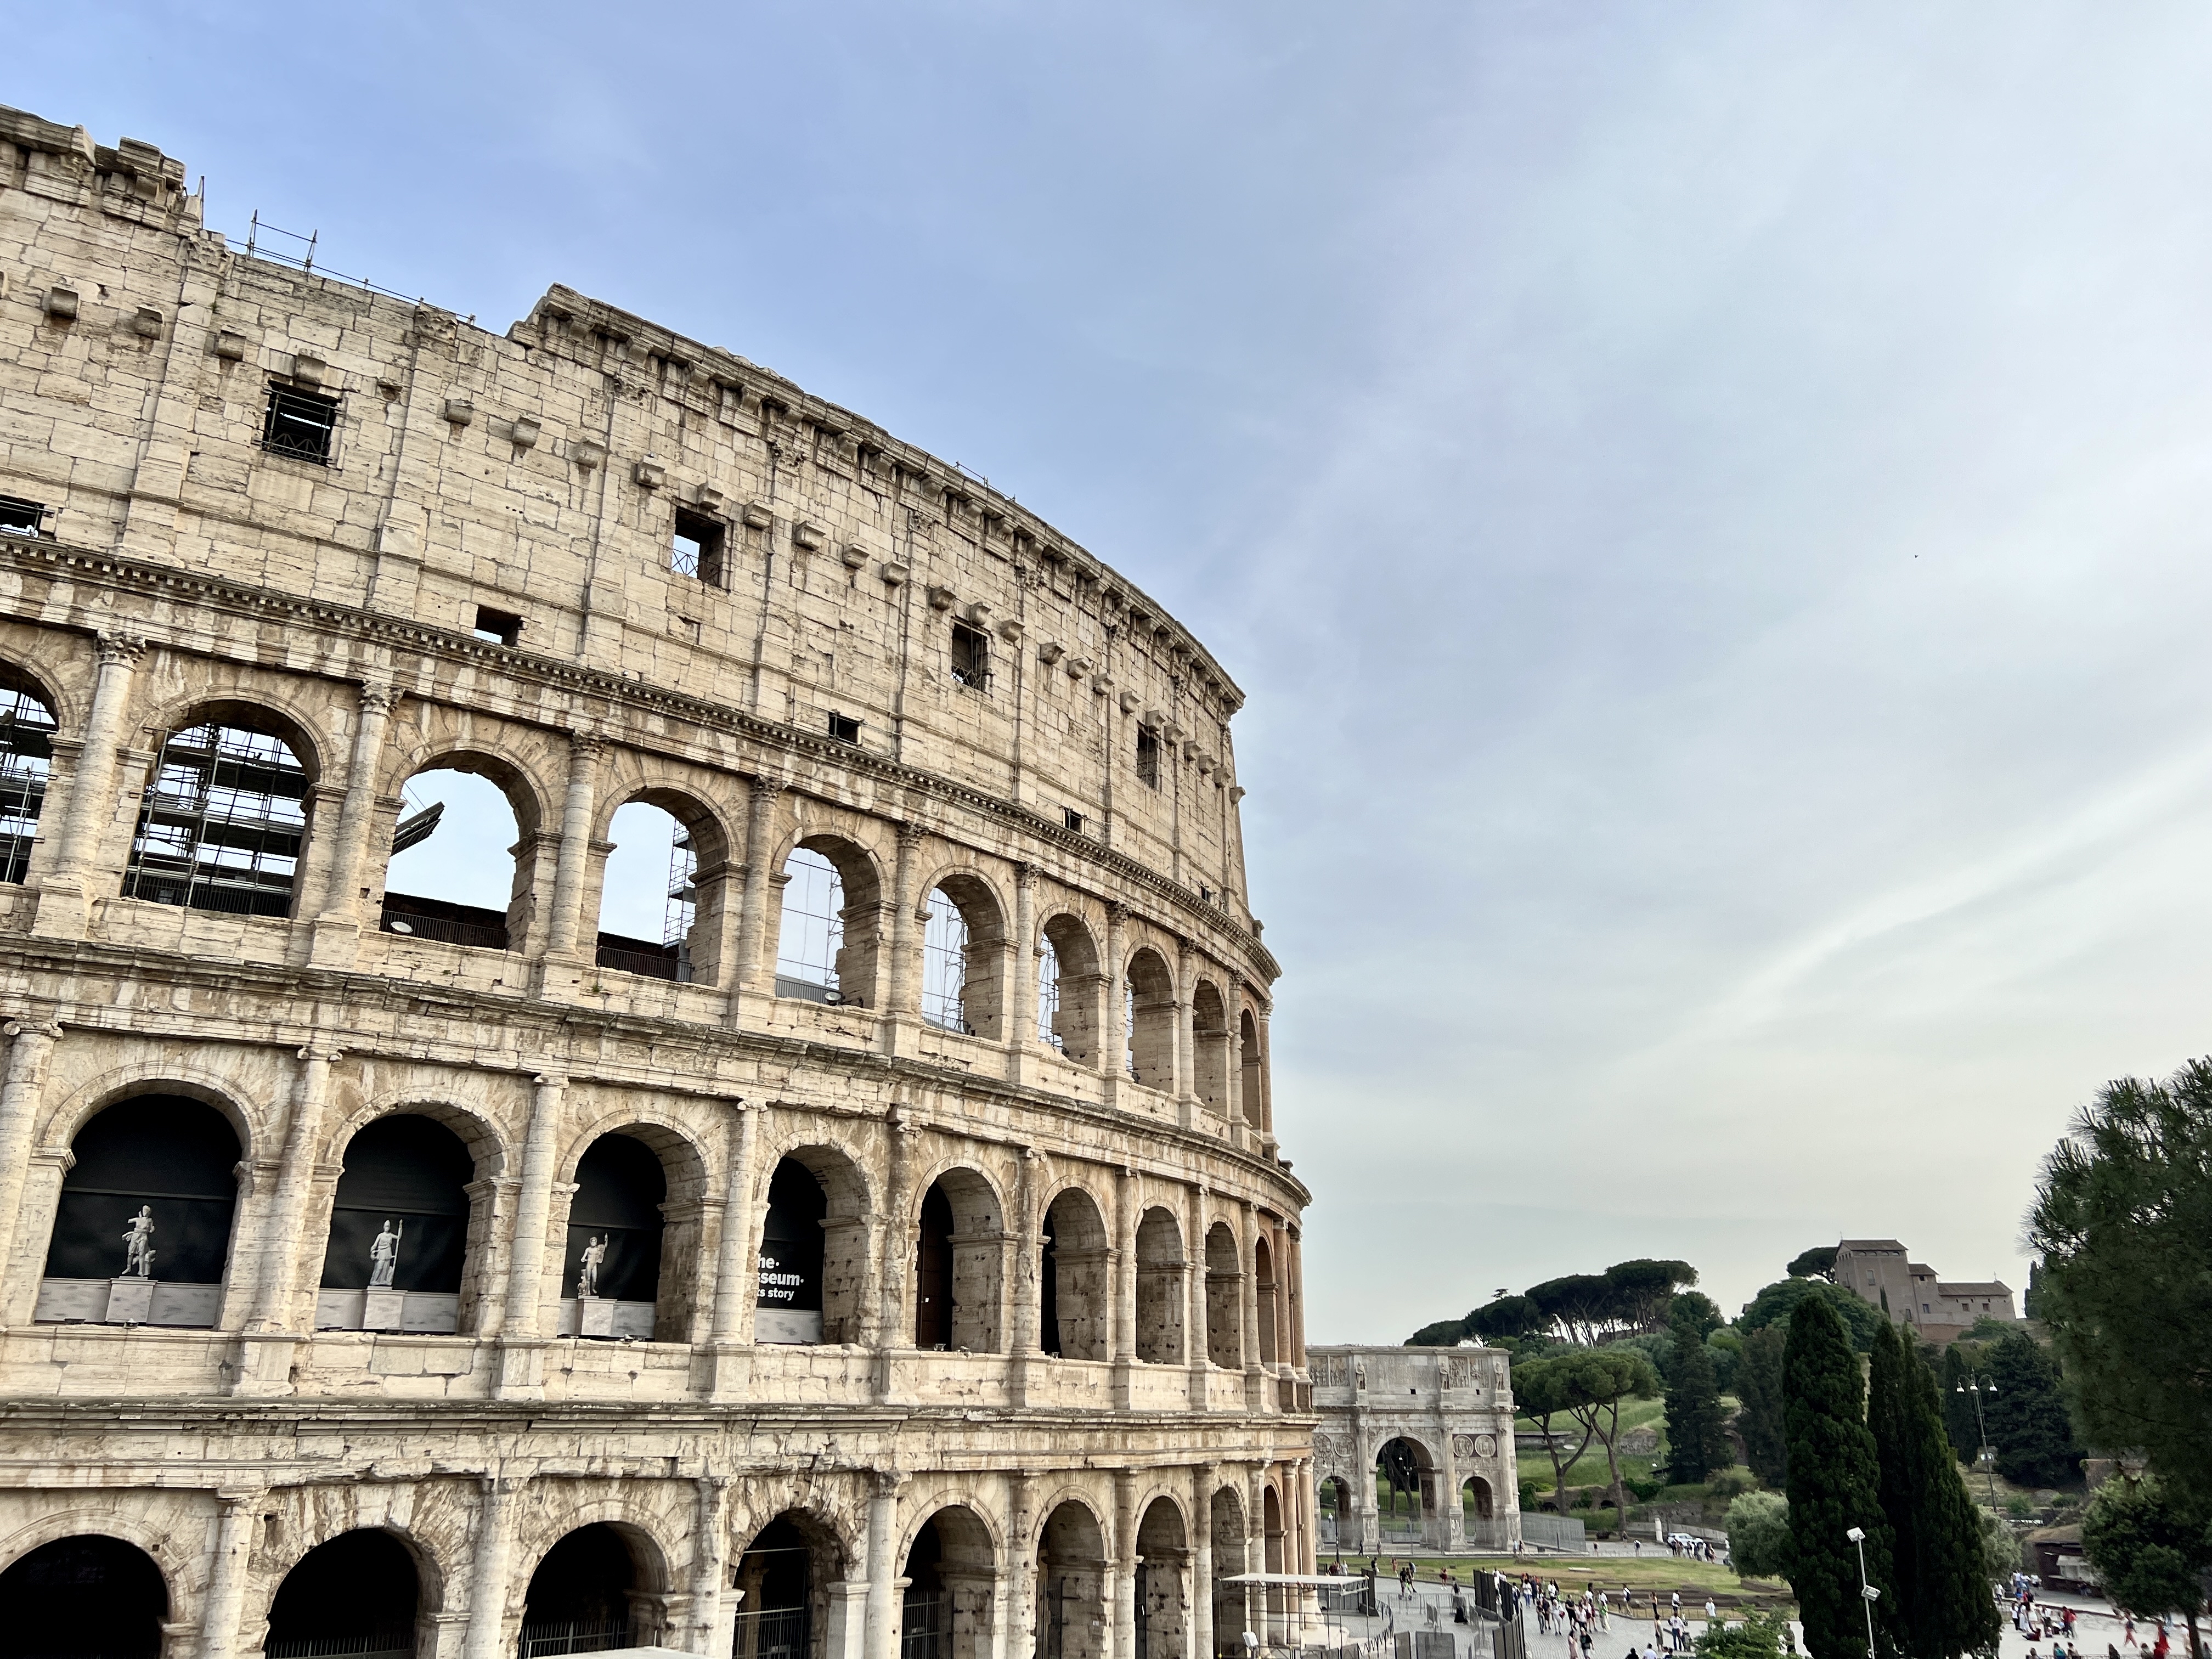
column 1708, row 502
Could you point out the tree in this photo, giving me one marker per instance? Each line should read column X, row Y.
column 1644, row 1291
column 1726, row 1348
column 1941, row 1606
column 1759, row 1390
column 1834, row 1477
column 1443, row 1333
column 2123, row 1219
column 1597, row 1384
column 1697, row 1443
column 1778, row 1301
column 1960, row 1363
column 2027, row 1415
column 1508, row 1316
column 1701, row 1311
column 1819, row 1262
column 1757, row 1525
column 2152, row 1549
column 1760, row 1635
column 1580, row 1304
column 1541, row 1390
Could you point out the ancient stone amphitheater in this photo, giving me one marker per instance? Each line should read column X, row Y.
column 870, row 1243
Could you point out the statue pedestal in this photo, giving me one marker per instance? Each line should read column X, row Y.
column 381, row 1310
column 595, row 1315
column 130, row 1302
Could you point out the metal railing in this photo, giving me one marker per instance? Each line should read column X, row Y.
column 651, row 965
column 572, row 1636
column 373, row 1644
column 444, row 929
column 773, row 1633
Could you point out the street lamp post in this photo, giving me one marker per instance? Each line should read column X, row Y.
column 1975, row 1386
column 1867, row 1592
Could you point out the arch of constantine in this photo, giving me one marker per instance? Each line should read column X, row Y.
column 878, row 1247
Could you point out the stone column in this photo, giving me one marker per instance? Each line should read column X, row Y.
column 522, row 1344
column 1201, row 1561
column 561, row 963
column 1295, row 1252
column 882, row 1640
column 265, row 1347
column 89, row 806
column 1183, row 1034
column 1232, row 1104
column 225, row 1606
column 1256, row 1545
column 895, row 1320
column 1113, row 1028
column 488, row 1568
column 337, row 929
column 898, row 969
column 708, row 1563
column 1126, row 1217
column 1023, row 1032
column 1265, row 1116
column 1122, row 1568
column 35, row 1226
column 1021, row 1591
column 747, row 981
column 1024, row 1352
column 30, row 1049
column 1248, row 1268
column 1196, row 1336
column 735, row 1289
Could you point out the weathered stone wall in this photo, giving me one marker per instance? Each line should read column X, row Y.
column 183, row 570
column 1453, row 1407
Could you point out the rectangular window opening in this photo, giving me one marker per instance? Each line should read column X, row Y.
column 498, row 627
column 696, row 549
column 1148, row 757
column 1071, row 818
column 301, row 424
column 971, row 657
column 844, row 729
column 19, row 516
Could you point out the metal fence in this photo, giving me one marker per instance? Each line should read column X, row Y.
column 397, row 1644
column 573, row 1636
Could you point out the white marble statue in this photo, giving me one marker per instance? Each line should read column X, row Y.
column 138, row 1244
column 587, row 1273
column 384, row 1255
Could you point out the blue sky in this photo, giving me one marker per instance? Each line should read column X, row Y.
column 1708, row 504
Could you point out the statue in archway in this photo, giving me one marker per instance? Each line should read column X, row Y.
column 384, row 1255
column 587, row 1273
column 138, row 1244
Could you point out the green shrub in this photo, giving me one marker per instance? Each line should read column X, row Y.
column 1762, row 1636
column 1758, row 1527
column 1642, row 1490
column 1732, row 1483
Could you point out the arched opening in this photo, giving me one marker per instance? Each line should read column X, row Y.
column 1210, row 1047
column 458, row 844
column 1479, row 1513
column 1224, row 1287
column 1339, row 1521
column 1230, row 1617
column 780, row 1580
column 1252, row 1086
column 1160, row 1298
column 1263, row 1292
column 611, row 1269
column 26, row 757
column 142, row 1234
column 958, row 1265
column 813, row 1261
column 1152, row 1018
column 1401, row 1479
column 945, row 1612
column 588, row 1594
column 1272, row 1552
column 1067, row 990
column 1074, row 1278
column 225, row 818
column 662, row 891
column 357, row 1595
column 1072, row 1616
column 1162, row 1590
column 963, row 957
column 85, row 1597
column 826, row 935
column 400, row 1230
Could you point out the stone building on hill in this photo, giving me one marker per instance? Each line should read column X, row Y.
column 1879, row 1270
column 884, row 1249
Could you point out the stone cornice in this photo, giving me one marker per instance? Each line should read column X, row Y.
column 62, row 561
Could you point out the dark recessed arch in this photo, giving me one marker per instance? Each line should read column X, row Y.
column 85, row 1594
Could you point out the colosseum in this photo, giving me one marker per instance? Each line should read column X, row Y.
column 874, row 1247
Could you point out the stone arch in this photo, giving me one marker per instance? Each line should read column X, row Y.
column 144, row 1225
column 1075, row 1276
column 270, row 702
column 958, row 1290
column 223, row 822
column 677, row 1255
column 361, row 1590
column 1336, row 1513
column 605, row 1576
column 95, row 1095
column 967, row 952
column 783, row 1576
column 1252, row 1085
column 835, row 1281
column 524, row 867
column 86, row 1591
column 30, row 720
column 1069, row 986
column 1406, row 1478
column 1160, row 1295
column 1263, row 1298
column 1162, row 1587
column 1209, row 1022
column 951, row 1563
column 1225, row 1297
column 829, row 931
column 1149, row 991
column 700, row 868
column 1477, row 1501
column 1072, row 1612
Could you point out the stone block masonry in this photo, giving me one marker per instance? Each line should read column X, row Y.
column 946, row 1300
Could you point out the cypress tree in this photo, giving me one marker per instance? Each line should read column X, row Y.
column 1889, row 1419
column 1697, row 1441
column 1958, row 1416
column 1834, row 1486
column 1759, row 1387
column 1942, row 1599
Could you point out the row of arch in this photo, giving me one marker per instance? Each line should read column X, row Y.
column 226, row 816
column 144, row 1230
column 381, row 1591
column 1406, row 1501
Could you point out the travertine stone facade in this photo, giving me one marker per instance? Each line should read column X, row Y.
column 1451, row 1410
column 881, row 662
